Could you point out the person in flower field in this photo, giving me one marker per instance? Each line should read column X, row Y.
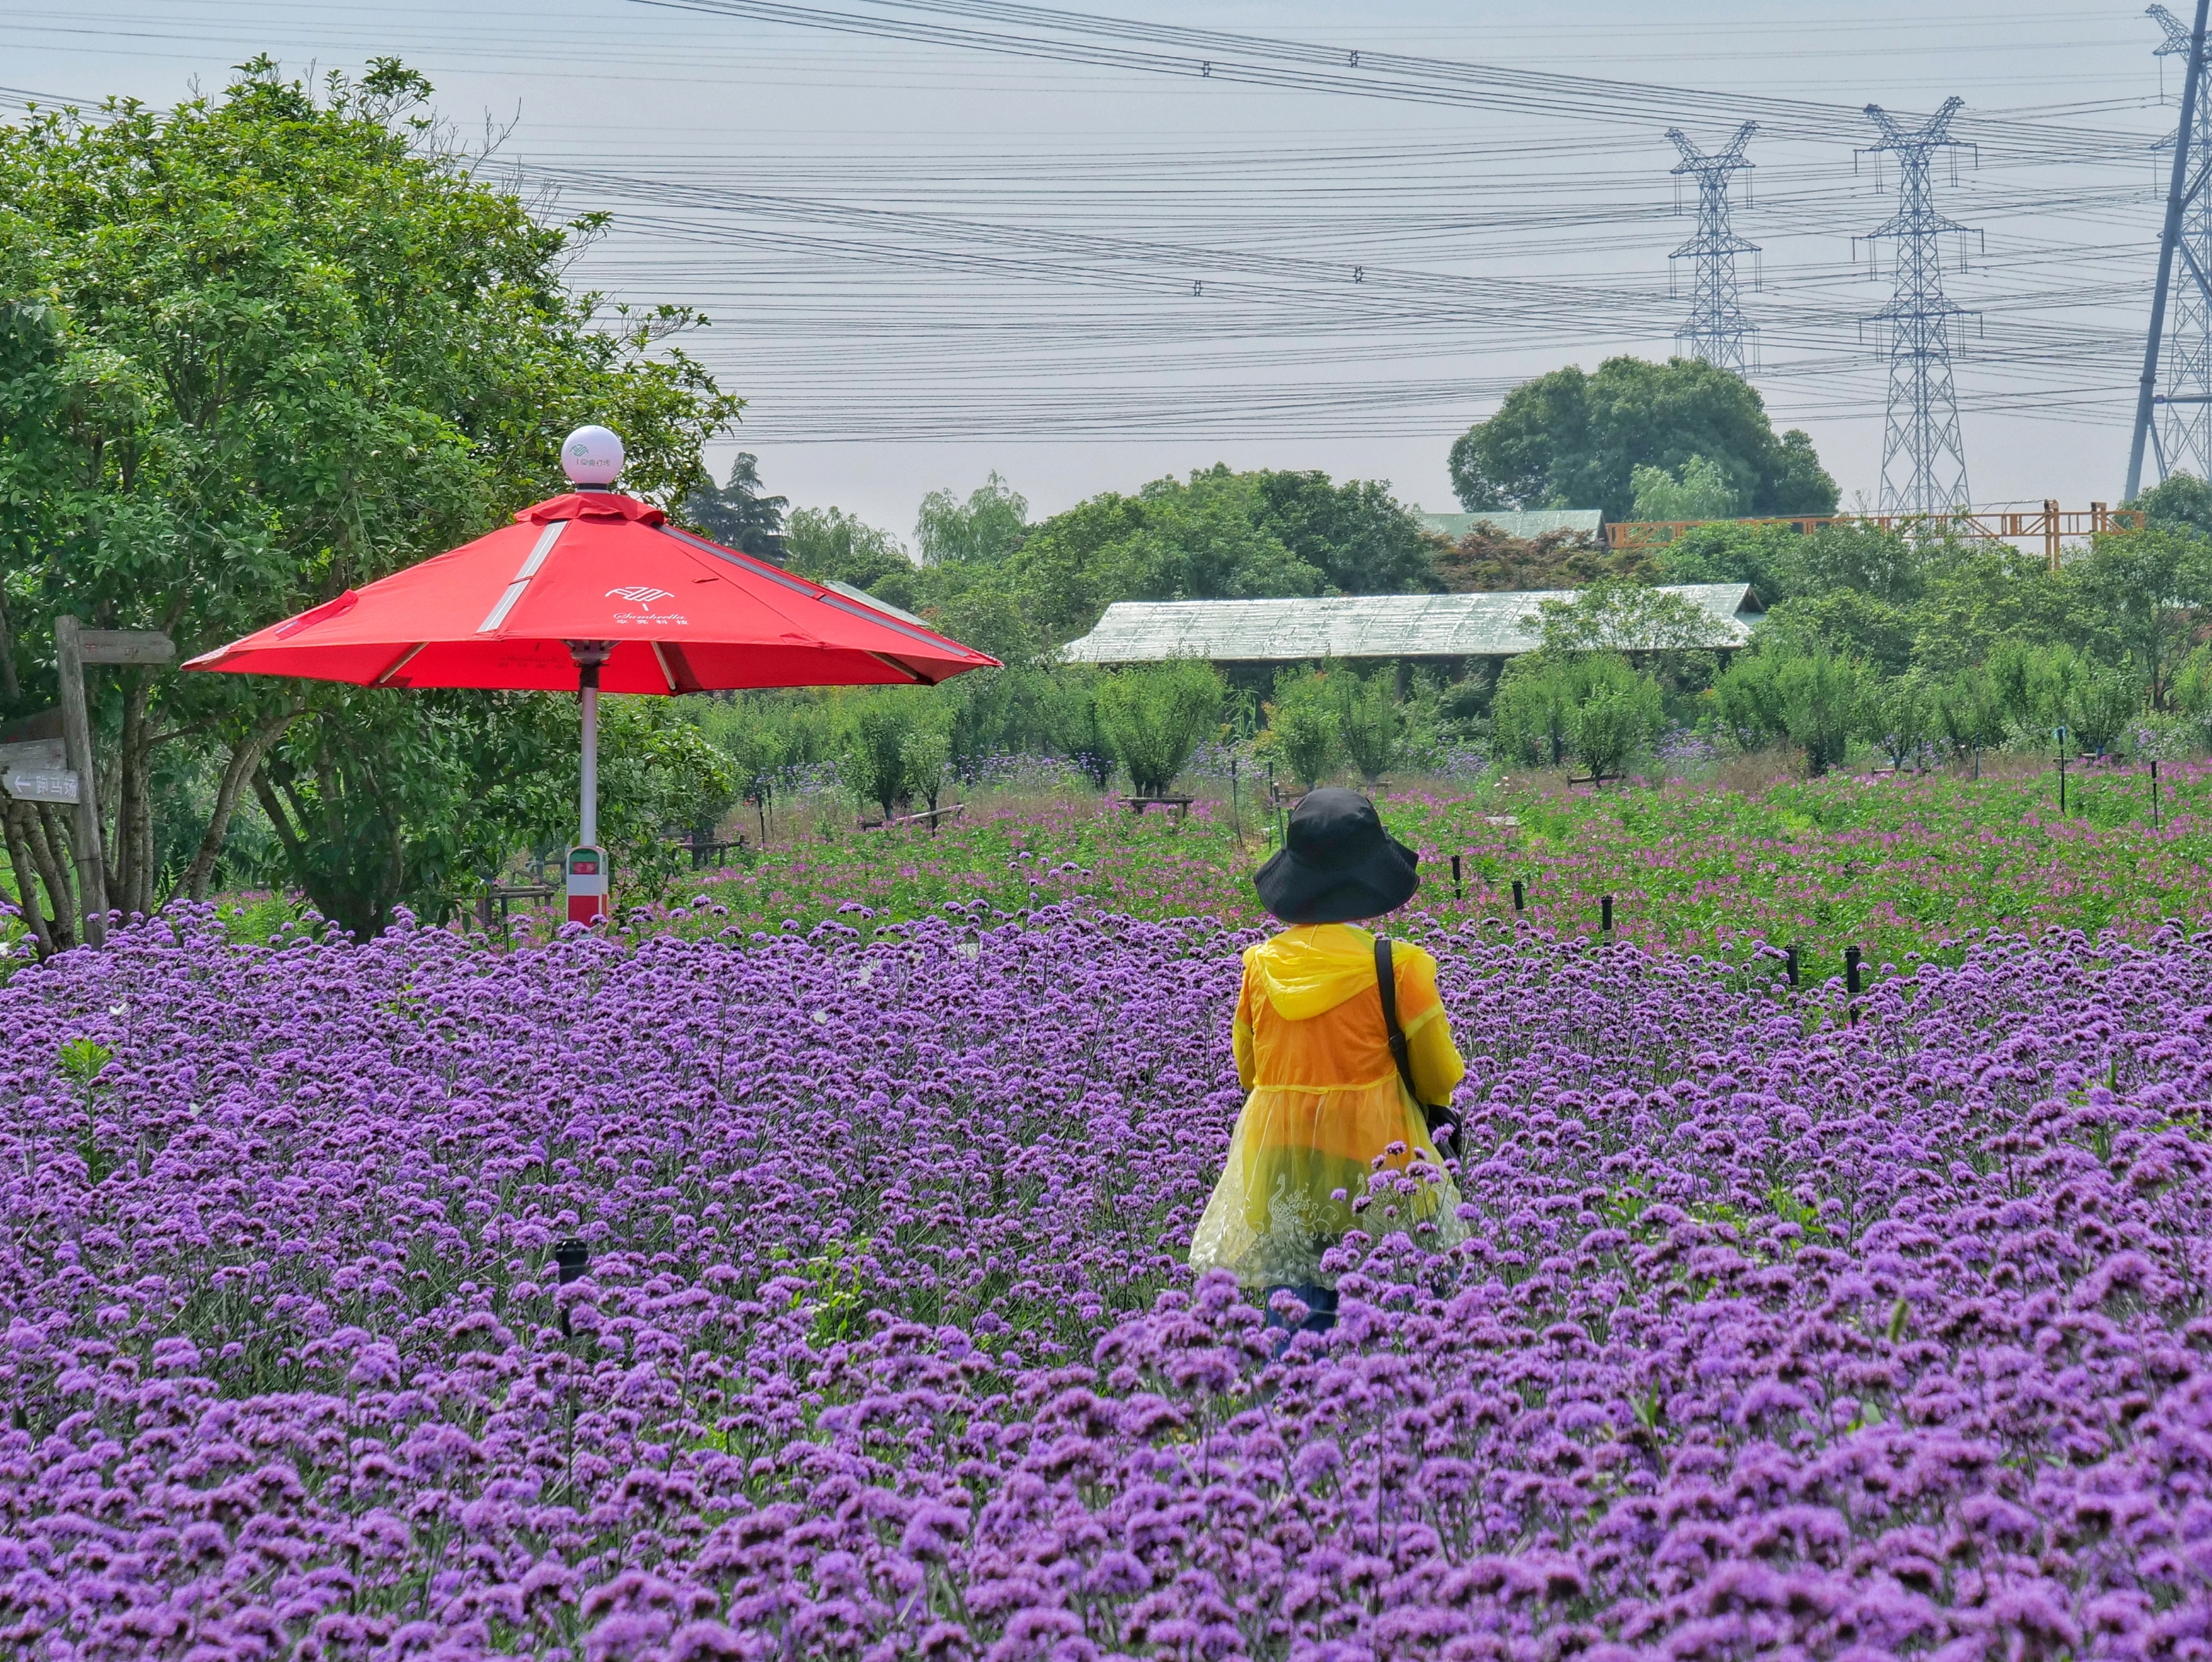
column 1336, row 1072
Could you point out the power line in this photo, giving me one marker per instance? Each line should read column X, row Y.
column 1242, row 59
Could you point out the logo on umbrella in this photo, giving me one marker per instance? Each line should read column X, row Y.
column 641, row 595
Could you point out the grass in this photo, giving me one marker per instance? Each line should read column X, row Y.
column 1897, row 866
column 1721, row 865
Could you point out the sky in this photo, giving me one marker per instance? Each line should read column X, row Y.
column 923, row 262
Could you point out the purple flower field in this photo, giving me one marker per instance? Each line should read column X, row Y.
column 1774, row 1337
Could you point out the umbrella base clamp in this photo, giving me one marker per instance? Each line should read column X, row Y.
column 586, row 869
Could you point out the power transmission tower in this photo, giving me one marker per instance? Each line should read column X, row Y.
column 1923, row 457
column 1717, row 328
column 2180, row 435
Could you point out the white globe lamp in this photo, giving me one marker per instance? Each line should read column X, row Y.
column 591, row 457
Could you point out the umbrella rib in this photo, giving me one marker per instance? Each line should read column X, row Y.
column 403, row 659
column 661, row 658
column 546, row 539
column 906, row 670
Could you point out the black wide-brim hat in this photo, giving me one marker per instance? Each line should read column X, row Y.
column 1336, row 863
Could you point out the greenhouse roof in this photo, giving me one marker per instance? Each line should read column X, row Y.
column 1494, row 625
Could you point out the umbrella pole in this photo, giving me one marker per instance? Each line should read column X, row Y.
column 587, row 813
column 587, row 865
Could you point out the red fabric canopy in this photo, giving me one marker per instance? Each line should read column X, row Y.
column 683, row 615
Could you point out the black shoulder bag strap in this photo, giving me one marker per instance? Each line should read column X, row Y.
column 1386, row 983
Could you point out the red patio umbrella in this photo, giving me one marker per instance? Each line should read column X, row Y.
column 596, row 590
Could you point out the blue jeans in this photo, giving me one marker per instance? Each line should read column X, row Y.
column 1320, row 1312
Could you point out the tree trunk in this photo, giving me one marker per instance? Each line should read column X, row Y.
column 10, row 687
column 50, row 853
column 12, row 817
column 265, row 793
column 244, row 759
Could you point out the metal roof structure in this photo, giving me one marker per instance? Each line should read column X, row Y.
column 1588, row 521
column 1363, row 626
column 866, row 599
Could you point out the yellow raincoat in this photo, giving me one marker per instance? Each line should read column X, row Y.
column 1326, row 1099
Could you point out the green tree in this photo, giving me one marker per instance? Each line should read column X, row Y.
column 1821, row 696
column 2055, row 677
column 2192, row 691
column 1570, row 439
column 758, row 735
column 1303, row 739
column 1173, row 540
column 659, row 774
column 1616, row 716
column 879, row 745
column 1849, row 622
column 1702, row 492
column 1156, row 717
column 1370, row 732
column 831, row 545
column 2101, row 703
column 1782, row 562
column 1361, row 539
column 261, row 349
column 1532, row 708
column 929, row 751
column 1748, row 704
column 1978, row 599
column 2014, row 672
column 1548, row 705
column 981, row 531
column 1081, row 732
column 987, row 616
column 1668, row 631
column 1968, row 712
column 738, row 514
column 2148, row 587
column 2181, row 502
column 1900, row 714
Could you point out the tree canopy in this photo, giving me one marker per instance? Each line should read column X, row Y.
column 1571, row 440
column 738, row 514
column 255, row 349
column 1215, row 535
column 982, row 530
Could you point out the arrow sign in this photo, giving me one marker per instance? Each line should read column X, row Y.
column 127, row 646
column 40, row 785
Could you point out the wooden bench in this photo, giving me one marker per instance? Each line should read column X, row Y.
column 504, row 898
column 1180, row 804
column 930, row 817
column 704, row 854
